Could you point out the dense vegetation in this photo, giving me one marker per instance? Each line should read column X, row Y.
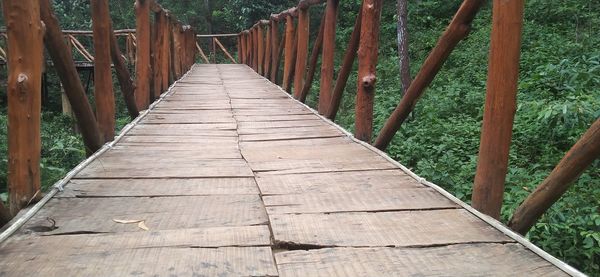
column 559, row 97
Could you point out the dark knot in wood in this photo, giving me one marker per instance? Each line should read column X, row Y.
column 368, row 81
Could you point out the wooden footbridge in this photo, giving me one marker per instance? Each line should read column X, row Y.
column 226, row 173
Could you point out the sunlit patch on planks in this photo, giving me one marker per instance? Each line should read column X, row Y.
column 233, row 178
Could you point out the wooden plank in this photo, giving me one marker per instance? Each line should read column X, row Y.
column 166, row 168
column 346, row 150
column 284, row 117
column 158, row 187
column 205, row 130
column 357, row 201
column 198, row 118
column 35, row 245
column 85, row 215
column 178, row 140
column 399, row 229
column 335, row 182
column 452, row 260
column 294, row 143
column 227, row 261
column 291, row 136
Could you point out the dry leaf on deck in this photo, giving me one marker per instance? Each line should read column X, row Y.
column 127, row 221
column 142, row 225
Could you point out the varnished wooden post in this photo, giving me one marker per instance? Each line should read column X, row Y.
column 177, row 49
column 342, row 79
column 268, row 49
column 157, row 55
column 570, row 167
column 165, row 51
column 302, row 50
column 260, row 39
column 457, row 30
column 290, row 56
column 367, row 62
column 62, row 59
column 312, row 62
column 274, row 50
column 143, row 74
column 255, row 49
column 328, row 54
column 239, row 49
column 103, row 85
column 500, row 106
column 25, row 43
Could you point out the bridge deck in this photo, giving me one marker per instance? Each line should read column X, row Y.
column 232, row 177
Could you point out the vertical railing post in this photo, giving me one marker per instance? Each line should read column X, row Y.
column 255, row 49
column 288, row 52
column 165, row 51
column 103, row 85
column 25, row 42
column 500, row 106
column 142, row 76
column 268, row 49
column 274, row 50
column 157, row 55
column 302, row 50
column 260, row 39
column 327, row 64
column 239, row 49
column 367, row 62
column 312, row 62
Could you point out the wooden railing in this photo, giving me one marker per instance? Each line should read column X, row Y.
column 264, row 46
column 31, row 25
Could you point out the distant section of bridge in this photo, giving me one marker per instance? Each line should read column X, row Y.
column 227, row 175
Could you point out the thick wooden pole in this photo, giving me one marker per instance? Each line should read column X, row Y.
column 125, row 82
column 367, row 62
column 157, row 55
column 342, row 79
column 312, row 62
column 65, row 68
column 25, row 43
column 268, row 50
column 165, row 51
column 142, row 66
column 327, row 56
column 457, row 30
column 239, row 49
column 260, row 39
column 579, row 157
column 500, row 106
column 277, row 64
column 103, row 86
column 302, row 50
column 177, row 50
column 256, row 50
column 289, row 55
column 274, row 50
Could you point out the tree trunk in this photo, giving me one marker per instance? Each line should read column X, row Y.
column 403, row 58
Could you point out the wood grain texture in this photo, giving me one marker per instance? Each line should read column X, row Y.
column 453, row 260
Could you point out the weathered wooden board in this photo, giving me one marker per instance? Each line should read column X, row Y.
column 320, row 164
column 160, row 213
column 358, row 201
column 453, row 260
column 166, row 168
column 33, row 244
column 254, row 125
column 251, row 145
column 407, row 228
column 351, row 151
column 174, row 140
column 158, row 187
column 335, row 182
column 284, row 117
column 325, row 133
column 206, row 130
column 153, row 152
column 187, row 119
column 168, row 261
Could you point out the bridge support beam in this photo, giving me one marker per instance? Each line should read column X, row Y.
column 327, row 58
column 500, row 106
column 302, row 50
column 290, row 53
column 25, row 43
